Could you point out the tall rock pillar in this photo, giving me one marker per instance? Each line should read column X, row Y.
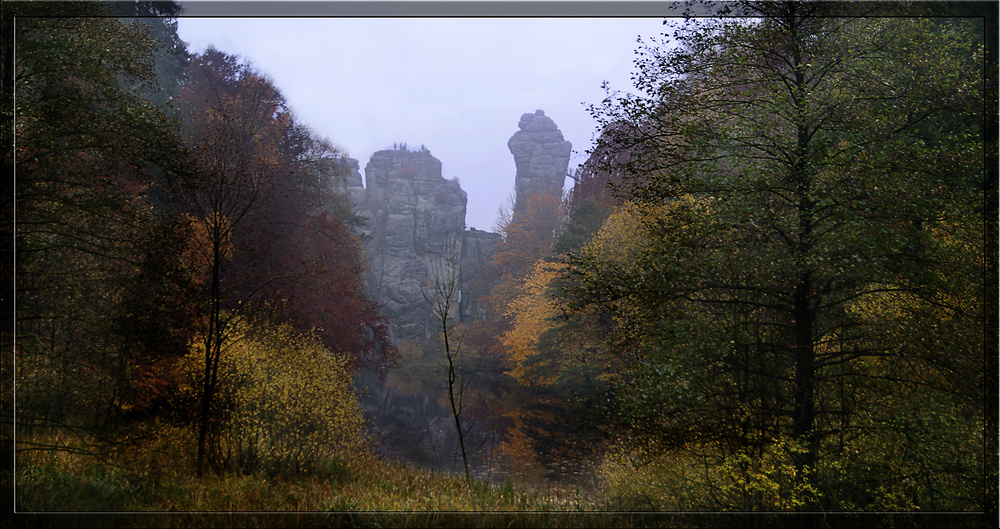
column 541, row 157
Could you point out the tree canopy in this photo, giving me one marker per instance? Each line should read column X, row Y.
column 167, row 204
column 799, row 177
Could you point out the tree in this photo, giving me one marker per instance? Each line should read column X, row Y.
column 234, row 109
column 528, row 236
column 803, row 169
column 268, row 225
column 88, row 145
column 316, row 261
column 558, row 363
column 444, row 310
column 287, row 401
column 246, row 148
column 584, row 221
column 599, row 178
column 158, row 19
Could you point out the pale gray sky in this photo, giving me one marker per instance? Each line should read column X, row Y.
column 456, row 85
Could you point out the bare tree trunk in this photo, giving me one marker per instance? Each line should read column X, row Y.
column 456, row 407
column 446, row 297
column 213, row 349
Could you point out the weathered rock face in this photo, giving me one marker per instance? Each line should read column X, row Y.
column 352, row 182
column 477, row 252
column 416, row 223
column 414, row 231
column 541, row 157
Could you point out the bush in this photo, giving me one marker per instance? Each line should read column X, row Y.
column 635, row 478
column 638, row 476
column 284, row 405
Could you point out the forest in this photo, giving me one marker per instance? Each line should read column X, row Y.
column 769, row 298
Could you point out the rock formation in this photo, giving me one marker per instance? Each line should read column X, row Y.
column 352, row 182
column 416, row 223
column 541, row 157
column 414, row 230
column 477, row 252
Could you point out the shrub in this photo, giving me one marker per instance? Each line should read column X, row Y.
column 285, row 405
column 635, row 478
column 638, row 476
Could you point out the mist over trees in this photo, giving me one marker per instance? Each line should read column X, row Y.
column 769, row 285
column 155, row 221
column 772, row 287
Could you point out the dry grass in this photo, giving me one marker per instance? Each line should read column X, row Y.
column 365, row 492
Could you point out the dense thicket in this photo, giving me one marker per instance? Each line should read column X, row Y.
column 771, row 287
column 85, row 139
column 170, row 206
column 796, row 278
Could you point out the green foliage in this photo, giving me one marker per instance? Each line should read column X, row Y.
column 585, row 219
column 52, row 482
column 767, row 479
column 798, row 201
column 285, row 403
column 640, row 476
column 368, row 492
column 86, row 136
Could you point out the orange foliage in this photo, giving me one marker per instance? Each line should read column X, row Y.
column 532, row 314
column 529, row 236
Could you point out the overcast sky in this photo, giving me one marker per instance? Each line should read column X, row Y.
column 456, row 85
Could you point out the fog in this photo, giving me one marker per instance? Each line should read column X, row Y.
column 455, row 85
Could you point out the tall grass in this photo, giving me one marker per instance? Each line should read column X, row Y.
column 156, row 487
column 364, row 492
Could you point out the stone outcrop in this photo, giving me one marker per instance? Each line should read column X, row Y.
column 352, row 181
column 415, row 223
column 415, row 231
column 415, row 226
column 477, row 252
column 541, row 157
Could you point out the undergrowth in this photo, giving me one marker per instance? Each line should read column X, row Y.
column 142, row 488
column 156, row 489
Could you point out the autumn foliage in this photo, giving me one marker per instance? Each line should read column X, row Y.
column 285, row 405
column 178, row 255
column 765, row 293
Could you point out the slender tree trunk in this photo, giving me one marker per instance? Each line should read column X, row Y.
column 213, row 349
column 446, row 289
column 456, row 410
column 803, row 300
